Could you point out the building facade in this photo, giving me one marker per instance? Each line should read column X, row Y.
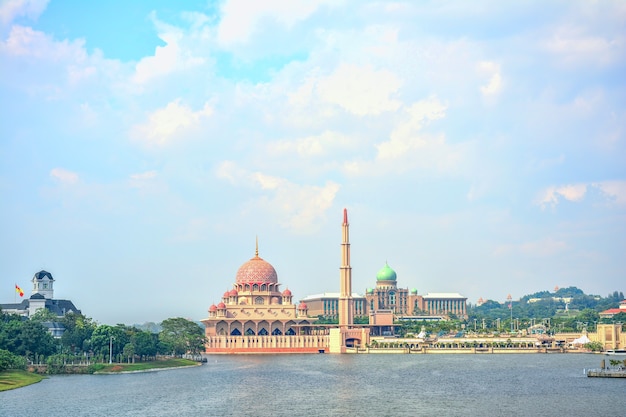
column 387, row 296
column 257, row 317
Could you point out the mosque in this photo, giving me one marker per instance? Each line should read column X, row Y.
column 257, row 317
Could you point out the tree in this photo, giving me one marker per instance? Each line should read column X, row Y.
column 43, row 315
column 78, row 331
column 129, row 352
column 10, row 361
column 182, row 336
column 145, row 343
column 33, row 338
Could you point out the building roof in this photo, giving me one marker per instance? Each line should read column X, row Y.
column 256, row 271
column 386, row 274
column 328, row 295
column 444, row 295
column 43, row 274
column 612, row 311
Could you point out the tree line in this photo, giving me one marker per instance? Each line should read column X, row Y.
column 27, row 341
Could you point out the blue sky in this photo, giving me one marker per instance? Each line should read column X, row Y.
column 479, row 147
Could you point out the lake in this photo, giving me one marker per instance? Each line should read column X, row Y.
column 336, row 385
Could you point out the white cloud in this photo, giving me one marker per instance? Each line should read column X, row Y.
column 164, row 124
column 612, row 190
column 294, row 206
column 64, row 176
column 148, row 175
column 494, row 86
column 9, row 9
column 24, row 41
column 574, row 47
column 240, row 18
column 313, row 146
column 167, row 59
column 360, row 90
column 551, row 195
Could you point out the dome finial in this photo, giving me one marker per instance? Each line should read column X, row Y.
column 256, row 250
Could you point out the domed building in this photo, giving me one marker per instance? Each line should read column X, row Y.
column 257, row 317
column 387, row 295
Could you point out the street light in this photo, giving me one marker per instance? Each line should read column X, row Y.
column 111, row 349
column 510, row 300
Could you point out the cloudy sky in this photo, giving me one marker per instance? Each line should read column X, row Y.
column 479, row 147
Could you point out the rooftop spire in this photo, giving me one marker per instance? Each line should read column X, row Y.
column 256, row 250
column 345, row 216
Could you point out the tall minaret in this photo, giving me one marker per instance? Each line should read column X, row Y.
column 346, row 310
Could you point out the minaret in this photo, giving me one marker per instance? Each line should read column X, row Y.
column 346, row 310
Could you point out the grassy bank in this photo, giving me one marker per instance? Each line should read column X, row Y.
column 143, row 366
column 16, row 379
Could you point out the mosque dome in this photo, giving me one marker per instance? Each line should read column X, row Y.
column 287, row 293
column 369, row 291
column 413, row 291
column 221, row 306
column 386, row 274
column 233, row 293
column 213, row 307
column 257, row 271
column 226, row 294
column 302, row 306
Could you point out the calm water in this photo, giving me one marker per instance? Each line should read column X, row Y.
column 336, row 385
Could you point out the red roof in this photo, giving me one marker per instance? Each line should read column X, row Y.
column 613, row 311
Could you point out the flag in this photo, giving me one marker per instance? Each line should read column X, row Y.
column 19, row 290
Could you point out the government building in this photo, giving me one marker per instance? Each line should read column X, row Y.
column 405, row 304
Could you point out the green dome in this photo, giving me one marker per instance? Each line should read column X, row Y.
column 413, row 291
column 369, row 291
column 386, row 274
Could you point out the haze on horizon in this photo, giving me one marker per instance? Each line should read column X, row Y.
column 479, row 147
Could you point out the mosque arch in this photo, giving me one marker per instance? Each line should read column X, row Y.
column 221, row 328
column 250, row 328
column 259, row 300
column 263, row 328
column 236, row 329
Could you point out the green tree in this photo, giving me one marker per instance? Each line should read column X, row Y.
column 129, row 352
column 33, row 338
column 145, row 343
column 43, row 315
column 77, row 334
column 182, row 336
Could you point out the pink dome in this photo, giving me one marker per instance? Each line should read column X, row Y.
column 233, row 293
column 226, row 294
column 213, row 308
column 287, row 293
column 221, row 306
column 256, row 271
column 302, row 306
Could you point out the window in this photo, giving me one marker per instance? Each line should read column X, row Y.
column 259, row 300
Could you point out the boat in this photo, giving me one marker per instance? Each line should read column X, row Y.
column 616, row 352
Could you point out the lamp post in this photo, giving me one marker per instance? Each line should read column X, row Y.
column 510, row 300
column 111, row 349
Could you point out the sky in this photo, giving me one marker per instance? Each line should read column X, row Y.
column 479, row 147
